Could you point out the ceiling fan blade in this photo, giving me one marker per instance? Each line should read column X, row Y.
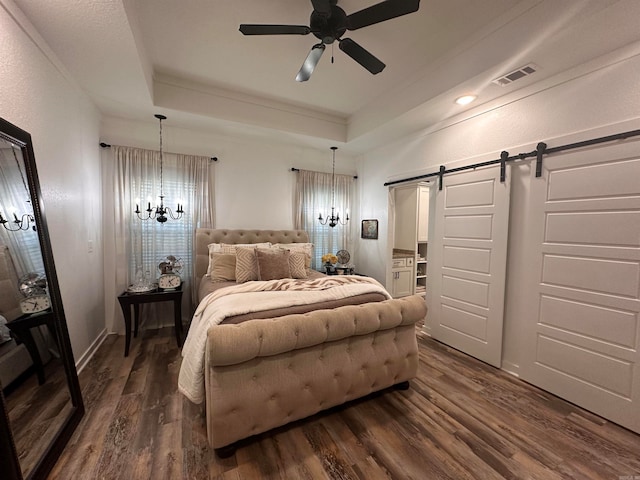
column 251, row 29
column 310, row 63
column 362, row 56
column 322, row 6
column 380, row 12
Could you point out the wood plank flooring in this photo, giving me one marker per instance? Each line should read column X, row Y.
column 461, row 419
column 37, row 412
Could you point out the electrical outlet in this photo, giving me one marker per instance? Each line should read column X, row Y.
column 90, row 246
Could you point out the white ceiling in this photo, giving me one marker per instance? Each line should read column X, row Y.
column 187, row 59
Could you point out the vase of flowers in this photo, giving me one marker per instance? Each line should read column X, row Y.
column 328, row 260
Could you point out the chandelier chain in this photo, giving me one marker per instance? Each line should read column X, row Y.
column 161, row 212
column 161, row 173
column 333, row 219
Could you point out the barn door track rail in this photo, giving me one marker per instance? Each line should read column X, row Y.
column 538, row 153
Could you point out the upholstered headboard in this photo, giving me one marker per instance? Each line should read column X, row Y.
column 205, row 236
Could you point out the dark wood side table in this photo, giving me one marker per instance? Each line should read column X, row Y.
column 22, row 326
column 127, row 299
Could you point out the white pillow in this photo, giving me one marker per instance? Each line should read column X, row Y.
column 307, row 248
column 213, row 248
column 229, row 249
column 5, row 333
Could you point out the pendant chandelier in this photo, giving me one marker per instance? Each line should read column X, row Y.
column 160, row 213
column 25, row 221
column 334, row 219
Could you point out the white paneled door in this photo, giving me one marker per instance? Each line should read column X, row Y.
column 583, row 337
column 467, row 262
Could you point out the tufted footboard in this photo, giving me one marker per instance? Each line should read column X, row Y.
column 261, row 374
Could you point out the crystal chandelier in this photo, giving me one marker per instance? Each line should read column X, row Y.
column 26, row 220
column 160, row 213
column 334, row 219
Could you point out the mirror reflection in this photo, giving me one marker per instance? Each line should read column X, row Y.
column 32, row 374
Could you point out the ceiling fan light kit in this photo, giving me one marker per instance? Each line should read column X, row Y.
column 329, row 22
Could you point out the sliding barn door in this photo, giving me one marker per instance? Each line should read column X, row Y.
column 583, row 337
column 467, row 261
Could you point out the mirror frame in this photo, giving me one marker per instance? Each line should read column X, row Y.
column 49, row 457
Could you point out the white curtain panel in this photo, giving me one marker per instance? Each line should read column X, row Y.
column 14, row 198
column 312, row 197
column 140, row 245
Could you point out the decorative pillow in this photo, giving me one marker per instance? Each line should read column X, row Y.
column 231, row 248
column 223, row 267
column 307, row 248
column 297, row 264
column 273, row 263
column 246, row 264
column 213, row 248
column 5, row 333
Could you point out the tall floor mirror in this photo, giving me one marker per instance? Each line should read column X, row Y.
column 41, row 402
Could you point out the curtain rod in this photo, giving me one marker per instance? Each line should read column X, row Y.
column 106, row 145
column 294, row 169
column 541, row 149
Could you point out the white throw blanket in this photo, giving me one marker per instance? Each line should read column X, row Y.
column 252, row 297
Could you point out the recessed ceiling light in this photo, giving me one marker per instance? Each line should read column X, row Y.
column 465, row 100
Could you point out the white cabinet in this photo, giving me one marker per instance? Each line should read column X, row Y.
column 421, row 268
column 402, row 278
column 411, row 234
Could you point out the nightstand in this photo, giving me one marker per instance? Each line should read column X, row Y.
column 128, row 299
column 21, row 328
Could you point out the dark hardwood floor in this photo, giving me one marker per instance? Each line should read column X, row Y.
column 461, row 419
column 36, row 412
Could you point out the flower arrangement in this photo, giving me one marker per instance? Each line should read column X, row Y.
column 329, row 258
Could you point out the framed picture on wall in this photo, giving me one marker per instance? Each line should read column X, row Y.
column 369, row 229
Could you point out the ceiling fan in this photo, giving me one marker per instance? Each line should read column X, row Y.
column 329, row 22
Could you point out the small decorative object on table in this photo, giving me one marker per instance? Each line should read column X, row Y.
column 328, row 260
column 344, row 267
column 143, row 283
column 170, row 269
column 32, row 286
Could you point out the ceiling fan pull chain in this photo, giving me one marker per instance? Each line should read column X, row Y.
column 332, row 46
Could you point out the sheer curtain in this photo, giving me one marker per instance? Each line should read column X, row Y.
column 141, row 245
column 313, row 197
column 14, row 198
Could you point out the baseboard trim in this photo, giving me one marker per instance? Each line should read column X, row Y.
column 511, row 368
column 88, row 355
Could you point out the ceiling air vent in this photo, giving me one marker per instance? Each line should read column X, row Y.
column 516, row 75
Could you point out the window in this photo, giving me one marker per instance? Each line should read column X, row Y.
column 142, row 244
column 314, row 196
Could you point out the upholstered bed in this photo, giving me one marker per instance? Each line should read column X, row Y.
column 257, row 370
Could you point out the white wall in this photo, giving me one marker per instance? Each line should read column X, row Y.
column 38, row 96
column 575, row 106
column 254, row 182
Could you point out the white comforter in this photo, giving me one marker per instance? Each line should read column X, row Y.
column 251, row 297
